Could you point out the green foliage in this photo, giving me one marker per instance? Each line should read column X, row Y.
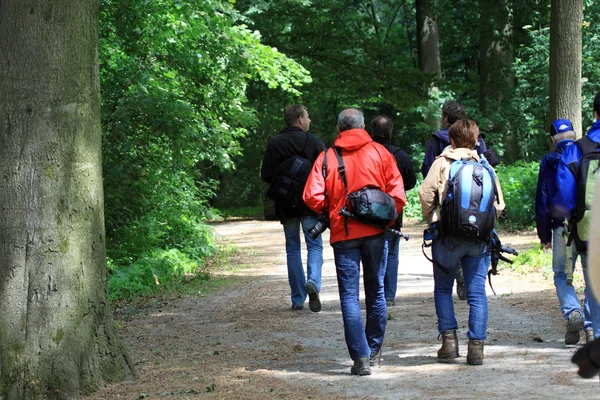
column 174, row 76
column 519, row 182
column 413, row 204
column 533, row 260
column 153, row 273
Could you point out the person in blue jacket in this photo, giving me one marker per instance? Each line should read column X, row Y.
column 565, row 201
column 550, row 230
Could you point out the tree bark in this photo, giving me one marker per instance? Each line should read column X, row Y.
column 428, row 50
column 57, row 336
column 496, row 78
column 427, row 38
column 566, row 18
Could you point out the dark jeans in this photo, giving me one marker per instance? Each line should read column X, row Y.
column 348, row 254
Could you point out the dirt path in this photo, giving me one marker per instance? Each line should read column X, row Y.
column 245, row 343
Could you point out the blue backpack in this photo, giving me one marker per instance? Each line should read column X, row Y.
column 468, row 211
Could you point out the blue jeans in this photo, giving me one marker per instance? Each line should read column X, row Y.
column 567, row 297
column 391, row 272
column 348, row 255
column 594, row 306
column 475, row 259
column 314, row 264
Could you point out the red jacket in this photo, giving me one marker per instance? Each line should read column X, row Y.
column 367, row 164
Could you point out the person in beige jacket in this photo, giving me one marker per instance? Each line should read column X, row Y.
column 450, row 251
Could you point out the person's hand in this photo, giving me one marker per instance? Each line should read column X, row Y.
column 547, row 246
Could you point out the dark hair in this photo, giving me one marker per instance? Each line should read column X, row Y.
column 454, row 111
column 464, row 133
column 292, row 113
column 382, row 127
column 350, row 118
column 597, row 103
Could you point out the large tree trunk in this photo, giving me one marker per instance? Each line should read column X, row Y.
column 57, row 335
column 428, row 50
column 427, row 38
column 565, row 61
column 496, row 78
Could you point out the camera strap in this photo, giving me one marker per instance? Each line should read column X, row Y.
column 324, row 172
column 342, row 171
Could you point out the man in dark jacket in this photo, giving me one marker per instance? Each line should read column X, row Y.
column 382, row 127
column 452, row 111
column 550, row 230
column 566, row 201
column 294, row 140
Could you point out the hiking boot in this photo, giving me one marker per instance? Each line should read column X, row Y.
column 375, row 358
column 461, row 290
column 297, row 307
column 461, row 285
column 449, row 349
column 361, row 367
column 574, row 325
column 589, row 335
column 475, row 352
column 314, row 303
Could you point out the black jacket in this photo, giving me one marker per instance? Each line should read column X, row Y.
column 291, row 141
column 404, row 165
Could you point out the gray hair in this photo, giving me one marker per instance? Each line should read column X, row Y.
column 350, row 118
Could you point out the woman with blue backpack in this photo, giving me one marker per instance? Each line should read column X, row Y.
column 461, row 198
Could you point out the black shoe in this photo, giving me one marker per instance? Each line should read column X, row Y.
column 375, row 358
column 361, row 367
column 390, row 303
column 314, row 303
column 297, row 307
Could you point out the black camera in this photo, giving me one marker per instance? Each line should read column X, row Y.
column 432, row 232
column 321, row 226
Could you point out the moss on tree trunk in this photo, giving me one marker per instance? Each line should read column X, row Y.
column 57, row 335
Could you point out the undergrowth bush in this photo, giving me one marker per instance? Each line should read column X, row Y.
column 532, row 260
column 519, row 182
column 157, row 271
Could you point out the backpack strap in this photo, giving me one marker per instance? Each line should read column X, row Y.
column 305, row 145
column 342, row 171
column 324, row 172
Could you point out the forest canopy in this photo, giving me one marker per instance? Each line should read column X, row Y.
column 193, row 90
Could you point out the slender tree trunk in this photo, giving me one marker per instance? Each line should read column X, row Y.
column 427, row 38
column 565, row 61
column 57, row 335
column 496, row 78
column 428, row 50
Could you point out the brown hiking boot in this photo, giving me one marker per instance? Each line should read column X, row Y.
column 574, row 326
column 589, row 335
column 449, row 349
column 475, row 352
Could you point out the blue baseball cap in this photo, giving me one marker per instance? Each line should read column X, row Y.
column 560, row 126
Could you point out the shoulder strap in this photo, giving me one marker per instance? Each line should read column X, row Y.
column 305, row 144
column 324, row 172
column 587, row 145
column 341, row 167
column 342, row 171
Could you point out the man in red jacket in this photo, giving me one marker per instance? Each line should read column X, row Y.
column 366, row 164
